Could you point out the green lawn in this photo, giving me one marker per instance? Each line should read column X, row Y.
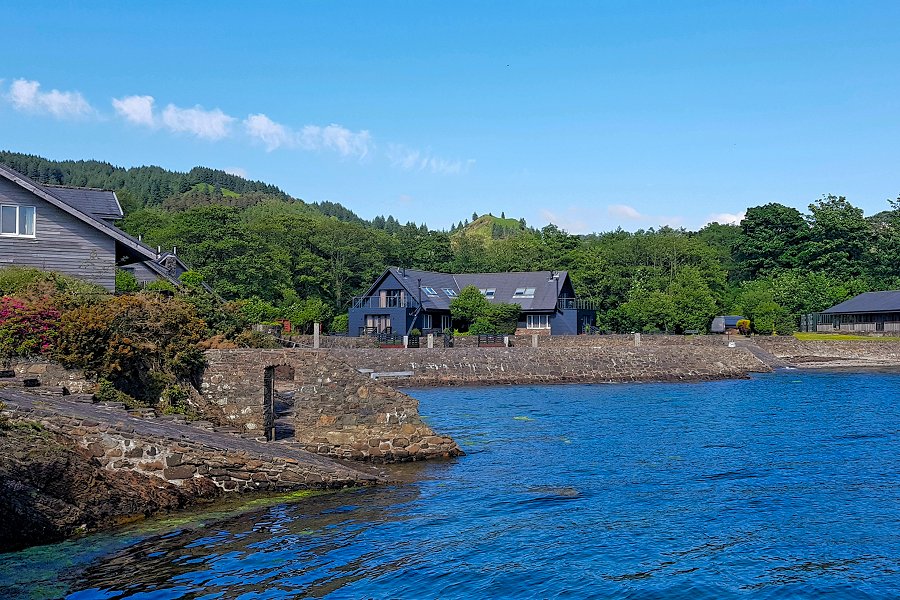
column 842, row 337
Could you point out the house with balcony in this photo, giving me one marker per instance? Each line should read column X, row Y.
column 401, row 300
column 71, row 230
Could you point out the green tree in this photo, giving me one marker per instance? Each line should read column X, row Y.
column 774, row 237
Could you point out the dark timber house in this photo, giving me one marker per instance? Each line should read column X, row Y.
column 401, row 300
column 71, row 231
column 871, row 311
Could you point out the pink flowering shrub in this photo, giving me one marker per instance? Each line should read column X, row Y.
column 26, row 329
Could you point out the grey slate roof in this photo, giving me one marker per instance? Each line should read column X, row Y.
column 545, row 286
column 102, row 204
column 868, row 302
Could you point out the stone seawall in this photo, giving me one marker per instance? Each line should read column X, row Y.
column 337, row 411
column 526, row 365
column 810, row 352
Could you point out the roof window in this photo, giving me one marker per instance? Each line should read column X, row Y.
column 488, row 292
column 451, row 293
column 524, row 293
column 429, row 291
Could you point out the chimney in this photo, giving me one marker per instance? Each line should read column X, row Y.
column 175, row 250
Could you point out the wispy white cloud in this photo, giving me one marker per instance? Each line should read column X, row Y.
column 629, row 213
column 205, row 124
column 575, row 219
column 215, row 125
column 239, row 171
column 26, row 96
column 335, row 137
column 273, row 135
column 623, row 211
column 410, row 159
column 726, row 218
column 135, row 109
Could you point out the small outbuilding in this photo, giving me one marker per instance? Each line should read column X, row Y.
column 725, row 324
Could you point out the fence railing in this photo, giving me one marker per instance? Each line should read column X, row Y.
column 576, row 304
column 385, row 302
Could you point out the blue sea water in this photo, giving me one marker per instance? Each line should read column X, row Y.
column 786, row 485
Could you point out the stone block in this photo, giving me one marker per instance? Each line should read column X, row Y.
column 179, row 472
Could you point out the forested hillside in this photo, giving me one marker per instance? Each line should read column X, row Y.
column 250, row 239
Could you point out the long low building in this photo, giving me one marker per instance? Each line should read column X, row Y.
column 868, row 312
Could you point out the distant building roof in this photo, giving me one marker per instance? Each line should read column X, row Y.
column 868, row 302
column 541, row 287
column 102, row 204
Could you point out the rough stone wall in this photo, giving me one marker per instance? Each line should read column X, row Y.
column 790, row 347
column 338, row 411
column 526, row 365
column 54, row 375
column 334, row 341
column 119, row 442
column 615, row 340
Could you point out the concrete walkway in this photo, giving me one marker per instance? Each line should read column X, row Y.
column 766, row 358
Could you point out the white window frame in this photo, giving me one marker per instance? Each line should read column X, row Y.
column 524, row 292
column 537, row 321
column 426, row 321
column 18, row 222
column 451, row 293
column 429, row 291
column 488, row 292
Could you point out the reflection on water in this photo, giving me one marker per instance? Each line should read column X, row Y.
column 768, row 488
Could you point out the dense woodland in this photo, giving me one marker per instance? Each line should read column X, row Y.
column 250, row 240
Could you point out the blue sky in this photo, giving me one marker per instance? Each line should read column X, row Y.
column 591, row 115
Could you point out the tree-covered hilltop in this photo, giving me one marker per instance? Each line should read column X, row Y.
column 250, row 240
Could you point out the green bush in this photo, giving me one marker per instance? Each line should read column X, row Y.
column 126, row 282
column 341, row 323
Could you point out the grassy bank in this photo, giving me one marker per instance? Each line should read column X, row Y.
column 842, row 337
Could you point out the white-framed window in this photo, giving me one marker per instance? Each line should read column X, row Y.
column 488, row 292
column 429, row 291
column 451, row 293
column 524, row 293
column 426, row 321
column 538, row 322
column 17, row 220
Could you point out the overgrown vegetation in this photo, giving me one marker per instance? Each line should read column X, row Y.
column 473, row 313
column 144, row 348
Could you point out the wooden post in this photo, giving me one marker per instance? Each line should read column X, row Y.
column 316, row 328
column 431, row 340
column 534, row 340
column 406, row 341
column 637, row 340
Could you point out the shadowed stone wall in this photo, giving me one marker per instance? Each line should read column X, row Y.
column 338, row 411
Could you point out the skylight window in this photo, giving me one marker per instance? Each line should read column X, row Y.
column 429, row 291
column 488, row 292
column 451, row 293
column 524, row 293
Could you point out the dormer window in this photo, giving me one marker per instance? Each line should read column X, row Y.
column 17, row 220
column 488, row 292
column 524, row 293
column 451, row 293
column 429, row 291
